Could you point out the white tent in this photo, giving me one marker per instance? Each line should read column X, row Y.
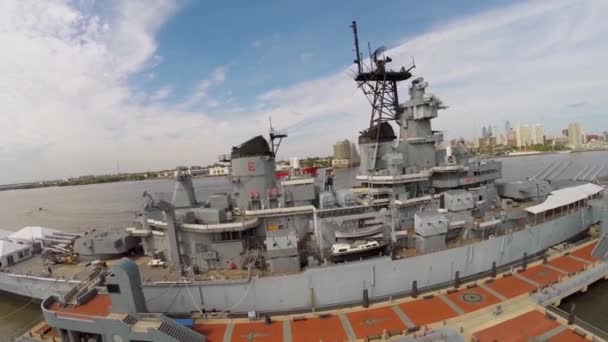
column 566, row 196
column 5, row 234
column 12, row 253
column 30, row 234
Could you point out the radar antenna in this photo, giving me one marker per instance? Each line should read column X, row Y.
column 275, row 135
column 378, row 83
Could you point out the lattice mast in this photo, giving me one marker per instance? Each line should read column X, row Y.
column 378, row 83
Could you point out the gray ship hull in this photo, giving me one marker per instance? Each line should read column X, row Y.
column 343, row 284
column 339, row 284
column 34, row 287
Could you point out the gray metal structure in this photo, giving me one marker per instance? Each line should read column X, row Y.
column 123, row 318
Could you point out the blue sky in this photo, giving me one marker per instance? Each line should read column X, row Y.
column 157, row 83
column 273, row 44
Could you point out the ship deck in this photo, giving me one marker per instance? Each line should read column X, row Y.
column 170, row 274
column 36, row 266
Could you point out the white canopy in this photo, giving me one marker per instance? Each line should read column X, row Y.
column 562, row 197
column 5, row 233
column 7, row 247
column 28, row 234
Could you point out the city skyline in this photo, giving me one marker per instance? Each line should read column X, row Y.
column 552, row 133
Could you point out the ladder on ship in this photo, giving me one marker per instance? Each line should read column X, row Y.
column 86, row 286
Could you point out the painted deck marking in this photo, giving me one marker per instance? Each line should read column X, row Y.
column 403, row 317
column 228, row 332
column 551, row 333
column 347, row 327
column 493, row 292
column 558, row 270
column 584, row 261
column 529, row 281
column 451, row 304
column 287, row 331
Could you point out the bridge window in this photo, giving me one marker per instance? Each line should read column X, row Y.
column 226, row 236
column 113, row 288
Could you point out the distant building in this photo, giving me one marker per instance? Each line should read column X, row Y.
column 523, row 136
column 556, row 140
column 538, row 134
column 220, row 169
column 489, row 142
column 592, row 137
column 511, row 138
column 345, row 155
column 575, row 135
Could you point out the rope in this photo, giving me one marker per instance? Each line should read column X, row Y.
column 162, row 294
column 10, row 314
column 193, row 300
column 240, row 300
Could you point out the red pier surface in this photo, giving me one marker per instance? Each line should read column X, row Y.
column 374, row 321
column 363, row 323
column 526, row 327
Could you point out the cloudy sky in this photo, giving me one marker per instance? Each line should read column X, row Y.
column 156, row 83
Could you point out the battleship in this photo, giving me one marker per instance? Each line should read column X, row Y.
column 421, row 217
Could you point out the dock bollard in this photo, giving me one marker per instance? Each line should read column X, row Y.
column 415, row 289
column 457, row 279
column 365, row 299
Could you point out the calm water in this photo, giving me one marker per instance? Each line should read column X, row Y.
column 80, row 208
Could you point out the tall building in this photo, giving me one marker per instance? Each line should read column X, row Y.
column 523, row 135
column 575, row 135
column 507, row 127
column 345, row 154
column 538, row 134
column 484, row 132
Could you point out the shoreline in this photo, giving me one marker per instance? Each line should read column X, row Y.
column 532, row 154
column 30, row 186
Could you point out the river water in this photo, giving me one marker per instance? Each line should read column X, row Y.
column 79, row 208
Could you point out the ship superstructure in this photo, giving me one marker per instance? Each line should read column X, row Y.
column 421, row 217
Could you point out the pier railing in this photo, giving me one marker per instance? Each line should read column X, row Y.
column 579, row 322
column 557, row 292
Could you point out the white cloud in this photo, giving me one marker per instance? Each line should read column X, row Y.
column 161, row 93
column 201, row 96
column 66, row 108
